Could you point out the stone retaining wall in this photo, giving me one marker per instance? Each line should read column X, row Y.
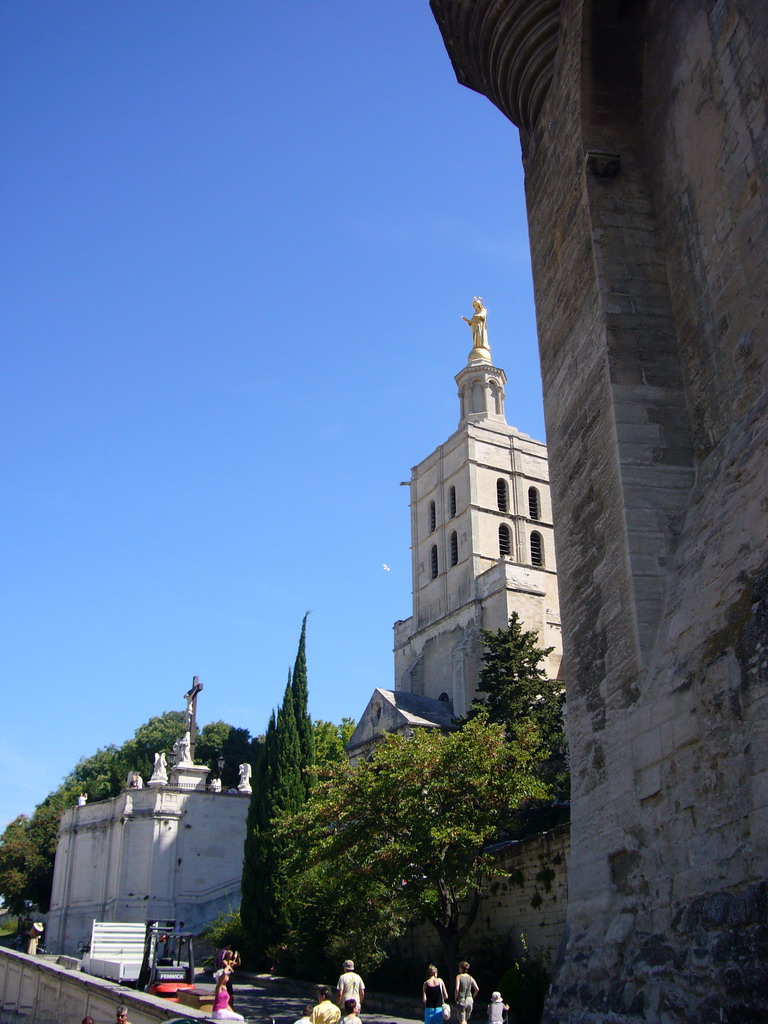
column 38, row 991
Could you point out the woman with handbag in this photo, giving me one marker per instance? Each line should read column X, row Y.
column 433, row 994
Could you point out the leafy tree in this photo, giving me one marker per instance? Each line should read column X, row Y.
column 520, row 697
column 27, row 851
column 235, row 745
column 401, row 837
column 330, row 740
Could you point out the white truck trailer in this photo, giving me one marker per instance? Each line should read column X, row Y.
column 117, row 950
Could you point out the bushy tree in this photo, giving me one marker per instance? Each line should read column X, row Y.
column 236, row 746
column 401, row 837
column 331, row 740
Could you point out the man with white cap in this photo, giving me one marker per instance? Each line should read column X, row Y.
column 350, row 986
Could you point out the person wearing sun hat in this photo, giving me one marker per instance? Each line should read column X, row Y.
column 496, row 1009
column 350, row 986
column 33, row 937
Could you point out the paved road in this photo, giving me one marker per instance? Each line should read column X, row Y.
column 269, row 1001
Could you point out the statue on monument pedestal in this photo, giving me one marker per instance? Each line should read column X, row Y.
column 160, row 772
column 478, row 326
column 182, row 751
column 244, row 785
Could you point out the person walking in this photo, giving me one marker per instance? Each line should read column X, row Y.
column 433, row 995
column 465, row 991
column 497, row 1009
column 350, row 986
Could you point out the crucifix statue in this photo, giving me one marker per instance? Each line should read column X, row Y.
column 191, row 698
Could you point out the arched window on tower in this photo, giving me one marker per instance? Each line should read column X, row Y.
column 534, row 508
column 537, row 549
column 433, row 561
column 454, row 548
column 502, row 495
column 451, row 502
column 505, row 540
column 432, row 517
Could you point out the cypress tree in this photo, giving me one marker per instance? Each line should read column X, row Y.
column 280, row 786
column 288, row 788
column 300, row 691
column 257, row 901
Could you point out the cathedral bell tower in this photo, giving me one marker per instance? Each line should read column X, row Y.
column 481, row 540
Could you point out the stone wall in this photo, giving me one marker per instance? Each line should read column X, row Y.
column 147, row 854
column 645, row 147
column 40, row 992
column 523, row 905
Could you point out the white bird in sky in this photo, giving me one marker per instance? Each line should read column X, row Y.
column 385, row 567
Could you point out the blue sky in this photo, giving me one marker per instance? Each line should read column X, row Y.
column 239, row 238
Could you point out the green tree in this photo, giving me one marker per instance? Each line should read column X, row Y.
column 330, row 740
column 236, row 746
column 257, row 889
column 300, row 692
column 521, row 697
column 401, row 837
column 280, row 788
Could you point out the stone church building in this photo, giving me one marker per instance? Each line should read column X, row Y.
column 482, row 547
column 644, row 133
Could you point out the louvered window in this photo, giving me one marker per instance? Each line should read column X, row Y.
column 505, row 541
column 534, row 509
column 501, row 495
column 537, row 549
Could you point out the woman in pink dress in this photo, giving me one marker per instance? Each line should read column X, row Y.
column 221, row 1010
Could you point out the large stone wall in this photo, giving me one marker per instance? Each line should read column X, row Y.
column 147, row 854
column 523, row 905
column 645, row 149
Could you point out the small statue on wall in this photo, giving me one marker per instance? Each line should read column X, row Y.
column 244, row 785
